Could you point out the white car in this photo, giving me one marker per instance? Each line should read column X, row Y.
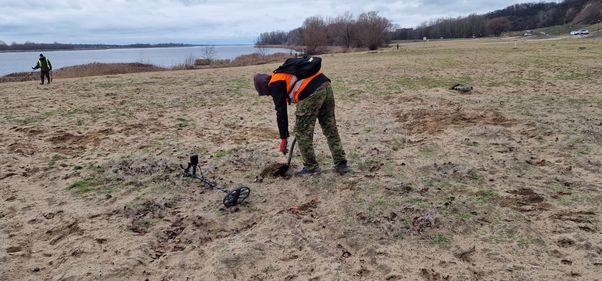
column 580, row 32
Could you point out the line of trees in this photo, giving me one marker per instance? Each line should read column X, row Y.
column 30, row 46
column 512, row 18
column 368, row 30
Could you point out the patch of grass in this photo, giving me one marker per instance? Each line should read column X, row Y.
column 396, row 145
column 469, row 142
column 428, row 182
column 371, row 207
column 428, row 151
column 465, row 216
column 579, row 146
column 232, row 262
column 36, row 118
column 580, row 198
column 418, row 201
column 376, row 204
column 369, row 199
column 474, row 176
column 107, row 85
column 183, row 122
column 87, row 185
column 223, row 152
column 270, row 269
column 485, row 196
column 354, row 156
column 367, row 164
column 440, row 239
column 391, row 170
column 142, row 224
column 134, row 175
column 239, row 85
column 72, row 112
column 528, row 241
column 54, row 159
column 220, row 153
column 567, row 76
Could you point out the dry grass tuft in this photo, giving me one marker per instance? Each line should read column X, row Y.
column 97, row 69
column 19, row 77
column 91, row 69
column 251, row 59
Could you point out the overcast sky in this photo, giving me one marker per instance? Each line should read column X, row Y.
column 201, row 21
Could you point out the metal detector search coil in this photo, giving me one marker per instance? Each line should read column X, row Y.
column 232, row 198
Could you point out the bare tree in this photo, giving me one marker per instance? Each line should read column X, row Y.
column 341, row 30
column 190, row 61
column 372, row 30
column 295, row 37
column 261, row 51
column 498, row 25
column 208, row 53
column 272, row 38
column 315, row 35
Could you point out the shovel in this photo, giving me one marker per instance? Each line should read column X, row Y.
column 281, row 171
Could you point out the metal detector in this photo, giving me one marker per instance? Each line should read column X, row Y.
column 232, row 198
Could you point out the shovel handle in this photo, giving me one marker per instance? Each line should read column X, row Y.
column 290, row 153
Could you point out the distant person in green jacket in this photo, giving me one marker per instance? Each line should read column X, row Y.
column 45, row 67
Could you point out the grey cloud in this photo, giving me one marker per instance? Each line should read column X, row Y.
column 200, row 21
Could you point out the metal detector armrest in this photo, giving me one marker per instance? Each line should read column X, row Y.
column 190, row 171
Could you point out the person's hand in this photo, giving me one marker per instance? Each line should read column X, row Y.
column 283, row 146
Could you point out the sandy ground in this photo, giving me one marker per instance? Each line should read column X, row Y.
column 503, row 183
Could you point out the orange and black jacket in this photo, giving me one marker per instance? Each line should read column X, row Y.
column 286, row 88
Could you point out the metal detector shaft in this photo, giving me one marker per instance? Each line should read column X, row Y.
column 209, row 183
column 206, row 182
column 232, row 198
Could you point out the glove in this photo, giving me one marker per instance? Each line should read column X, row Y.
column 283, row 146
column 33, row 68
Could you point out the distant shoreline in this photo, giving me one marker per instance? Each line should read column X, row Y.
column 82, row 49
column 114, row 47
column 98, row 69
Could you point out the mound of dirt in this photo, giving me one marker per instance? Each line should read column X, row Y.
column 270, row 171
column 418, row 121
column 524, row 200
column 92, row 138
column 142, row 215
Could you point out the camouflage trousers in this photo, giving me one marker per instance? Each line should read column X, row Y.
column 319, row 105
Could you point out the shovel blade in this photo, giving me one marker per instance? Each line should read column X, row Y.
column 281, row 171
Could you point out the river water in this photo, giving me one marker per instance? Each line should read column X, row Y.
column 167, row 57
